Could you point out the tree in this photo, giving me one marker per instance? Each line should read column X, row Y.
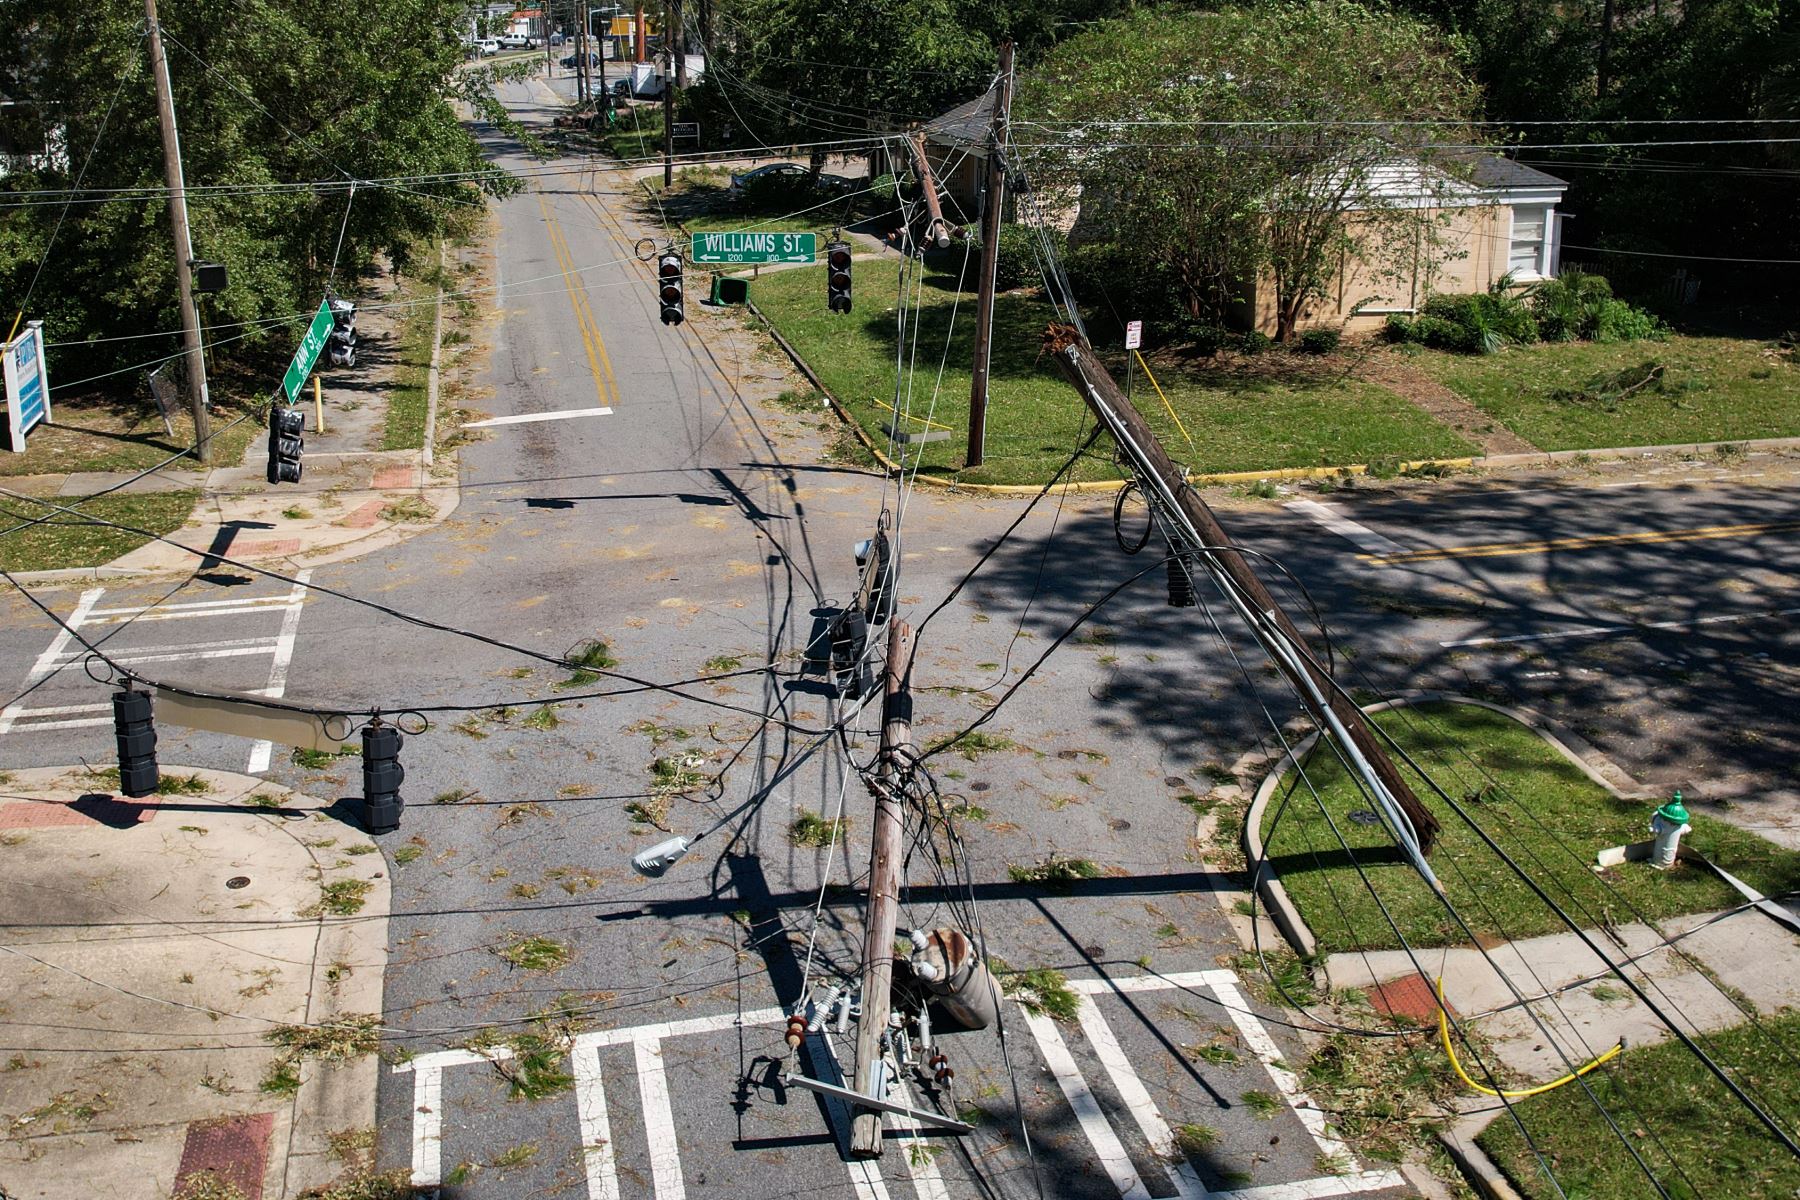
column 279, row 107
column 1276, row 139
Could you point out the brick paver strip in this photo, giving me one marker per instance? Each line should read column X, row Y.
column 267, row 546
column 234, row 1149
column 394, row 477
column 1411, row 997
column 365, row 514
column 89, row 810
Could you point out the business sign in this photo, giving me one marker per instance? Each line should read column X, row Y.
column 1134, row 334
column 27, row 384
column 308, row 353
column 744, row 247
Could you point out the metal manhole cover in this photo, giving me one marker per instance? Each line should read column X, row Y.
column 238, row 881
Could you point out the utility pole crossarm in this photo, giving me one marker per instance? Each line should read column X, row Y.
column 1208, row 546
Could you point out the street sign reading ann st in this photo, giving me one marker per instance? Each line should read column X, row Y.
column 744, row 247
column 308, row 353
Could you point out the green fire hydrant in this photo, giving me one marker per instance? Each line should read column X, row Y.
column 1667, row 824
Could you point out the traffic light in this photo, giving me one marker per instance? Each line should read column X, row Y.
column 382, row 776
column 136, row 734
column 837, row 276
column 668, row 281
column 285, row 443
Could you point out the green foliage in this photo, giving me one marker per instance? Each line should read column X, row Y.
column 304, row 91
column 1218, row 210
column 1575, row 306
column 1568, row 307
column 1055, row 872
column 1320, row 341
column 1017, row 263
column 1621, row 322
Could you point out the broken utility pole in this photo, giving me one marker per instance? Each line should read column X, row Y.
column 990, row 259
column 887, row 835
column 1200, row 541
column 937, row 230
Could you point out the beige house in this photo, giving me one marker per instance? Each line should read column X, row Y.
column 1500, row 217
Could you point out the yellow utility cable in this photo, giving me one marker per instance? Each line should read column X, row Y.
column 1509, row 1093
column 1165, row 399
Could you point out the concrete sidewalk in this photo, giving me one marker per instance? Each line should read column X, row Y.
column 152, row 950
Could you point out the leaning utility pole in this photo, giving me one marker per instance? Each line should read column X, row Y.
column 887, row 835
column 937, row 229
column 1199, row 542
column 990, row 259
column 184, row 245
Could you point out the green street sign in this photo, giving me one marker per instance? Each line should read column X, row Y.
column 308, row 353
column 746, row 247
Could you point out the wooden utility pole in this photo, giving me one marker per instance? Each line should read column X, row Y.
column 1329, row 708
column 937, row 230
column 677, row 34
column 668, row 91
column 184, row 244
column 640, row 54
column 990, row 259
column 886, row 852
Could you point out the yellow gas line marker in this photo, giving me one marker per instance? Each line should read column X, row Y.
column 1553, row 545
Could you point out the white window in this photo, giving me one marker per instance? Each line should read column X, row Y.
column 1529, row 225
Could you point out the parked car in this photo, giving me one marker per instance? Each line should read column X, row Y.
column 570, row 60
column 487, row 47
column 516, row 41
column 825, row 183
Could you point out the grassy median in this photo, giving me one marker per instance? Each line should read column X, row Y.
column 1240, row 413
column 1547, row 815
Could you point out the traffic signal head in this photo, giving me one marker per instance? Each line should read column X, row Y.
column 382, row 776
column 837, row 276
column 135, row 733
column 668, row 283
column 285, row 443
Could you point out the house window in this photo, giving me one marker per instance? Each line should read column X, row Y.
column 1527, row 252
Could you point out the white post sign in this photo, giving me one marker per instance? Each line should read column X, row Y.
column 27, row 384
column 1134, row 334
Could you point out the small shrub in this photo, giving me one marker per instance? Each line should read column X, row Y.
column 1567, row 308
column 1398, row 329
column 812, row 831
column 1017, row 263
column 1254, row 341
column 1441, row 333
column 1618, row 321
column 1320, row 341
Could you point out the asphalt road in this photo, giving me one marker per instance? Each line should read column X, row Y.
column 689, row 527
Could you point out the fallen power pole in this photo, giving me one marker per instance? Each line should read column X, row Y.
column 937, row 230
column 184, row 245
column 990, row 260
column 887, row 836
column 1198, row 541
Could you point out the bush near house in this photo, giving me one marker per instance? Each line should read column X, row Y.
column 1576, row 306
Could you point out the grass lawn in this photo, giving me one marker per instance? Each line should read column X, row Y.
column 638, row 134
column 1544, row 794
column 1726, row 1154
column 407, row 397
column 66, row 542
column 1712, row 390
column 1276, row 410
column 105, row 434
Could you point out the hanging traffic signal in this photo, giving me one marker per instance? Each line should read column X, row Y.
column 135, row 732
column 668, row 281
column 837, row 276
column 285, row 443
column 382, row 776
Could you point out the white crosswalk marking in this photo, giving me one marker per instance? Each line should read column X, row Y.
column 1105, row 1124
column 659, row 1121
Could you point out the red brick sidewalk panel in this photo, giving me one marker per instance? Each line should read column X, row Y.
column 365, row 514
column 1410, row 997
column 234, row 1149
column 393, row 477
column 89, row 810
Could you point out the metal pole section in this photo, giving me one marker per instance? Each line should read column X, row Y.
column 883, row 915
column 668, row 90
column 184, row 245
column 1165, row 486
column 990, row 259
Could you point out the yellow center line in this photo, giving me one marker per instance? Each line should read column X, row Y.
column 1553, row 545
column 599, row 364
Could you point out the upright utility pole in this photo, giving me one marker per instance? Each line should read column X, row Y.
column 583, row 88
column 677, row 31
column 184, row 245
column 990, row 259
column 668, row 90
column 883, row 916
column 1202, row 544
column 641, row 53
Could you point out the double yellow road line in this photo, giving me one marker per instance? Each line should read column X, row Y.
column 606, row 384
column 1553, row 545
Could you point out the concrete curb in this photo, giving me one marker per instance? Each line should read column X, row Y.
column 1482, row 1172
column 1589, row 760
